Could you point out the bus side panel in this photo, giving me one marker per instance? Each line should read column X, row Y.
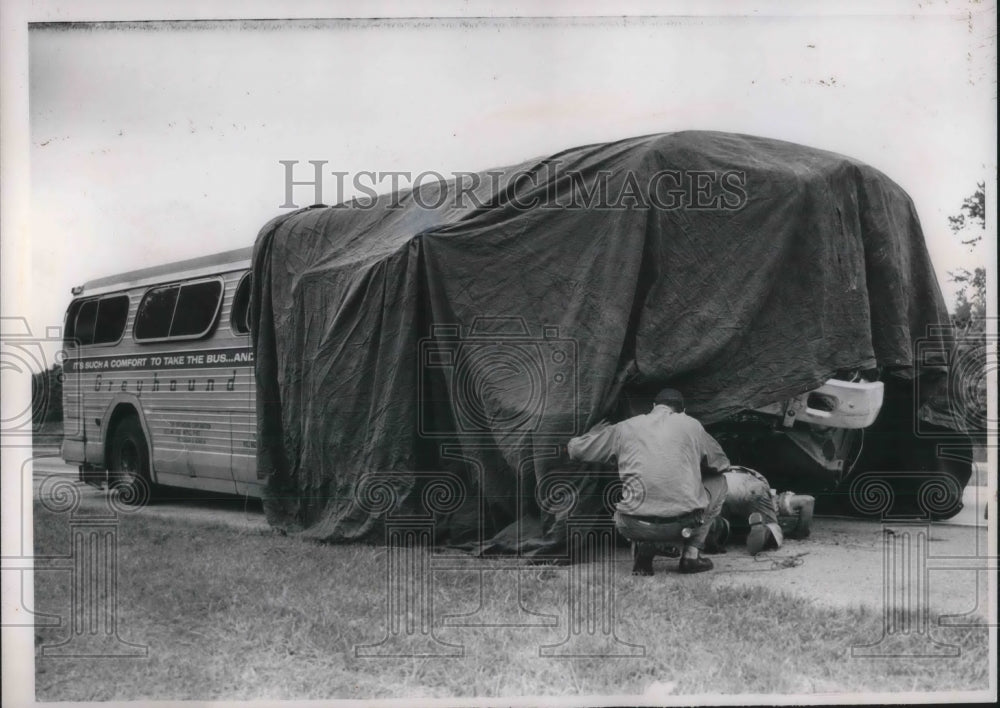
column 73, row 438
column 196, row 390
column 244, row 427
column 189, row 414
column 196, row 397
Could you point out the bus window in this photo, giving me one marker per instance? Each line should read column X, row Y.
column 111, row 315
column 85, row 321
column 152, row 321
column 178, row 311
column 197, row 306
column 69, row 329
column 240, row 319
column 98, row 321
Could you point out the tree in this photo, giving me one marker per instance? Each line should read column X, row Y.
column 970, row 223
column 46, row 396
column 970, row 302
column 973, row 212
column 967, row 379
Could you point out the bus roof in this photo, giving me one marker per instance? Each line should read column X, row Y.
column 190, row 268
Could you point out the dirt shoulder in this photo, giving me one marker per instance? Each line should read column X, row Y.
column 847, row 563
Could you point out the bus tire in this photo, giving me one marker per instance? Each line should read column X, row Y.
column 128, row 463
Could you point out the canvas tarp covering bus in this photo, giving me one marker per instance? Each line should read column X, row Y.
column 460, row 337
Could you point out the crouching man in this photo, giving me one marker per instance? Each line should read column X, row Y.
column 672, row 475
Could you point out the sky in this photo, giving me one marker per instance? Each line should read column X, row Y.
column 152, row 142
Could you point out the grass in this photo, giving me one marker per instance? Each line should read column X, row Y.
column 238, row 615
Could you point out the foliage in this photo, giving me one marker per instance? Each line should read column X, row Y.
column 970, row 305
column 973, row 212
column 971, row 354
column 46, row 396
column 970, row 302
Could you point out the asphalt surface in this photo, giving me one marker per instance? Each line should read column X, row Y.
column 944, row 567
column 195, row 507
column 883, row 565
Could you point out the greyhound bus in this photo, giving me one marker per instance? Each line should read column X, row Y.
column 158, row 384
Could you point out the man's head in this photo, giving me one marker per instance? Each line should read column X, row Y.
column 670, row 397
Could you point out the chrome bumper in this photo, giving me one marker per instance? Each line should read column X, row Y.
column 835, row 404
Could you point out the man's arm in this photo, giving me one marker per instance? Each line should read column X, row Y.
column 713, row 459
column 596, row 445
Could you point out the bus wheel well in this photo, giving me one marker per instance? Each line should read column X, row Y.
column 121, row 412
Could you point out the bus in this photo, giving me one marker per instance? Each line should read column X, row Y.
column 158, row 385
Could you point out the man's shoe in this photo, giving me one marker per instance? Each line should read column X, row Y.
column 759, row 534
column 695, row 565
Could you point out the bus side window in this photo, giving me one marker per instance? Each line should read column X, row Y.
column 240, row 319
column 111, row 315
column 197, row 306
column 152, row 321
column 69, row 329
column 85, row 322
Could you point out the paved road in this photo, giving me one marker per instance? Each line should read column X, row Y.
column 841, row 564
column 196, row 507
column 216, row 508
column 853, row 562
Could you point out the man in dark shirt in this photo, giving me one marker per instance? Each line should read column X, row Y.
column 672, row 474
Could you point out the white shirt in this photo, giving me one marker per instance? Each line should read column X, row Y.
column 661, row 458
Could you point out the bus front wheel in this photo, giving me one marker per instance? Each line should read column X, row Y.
column 129, row 464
